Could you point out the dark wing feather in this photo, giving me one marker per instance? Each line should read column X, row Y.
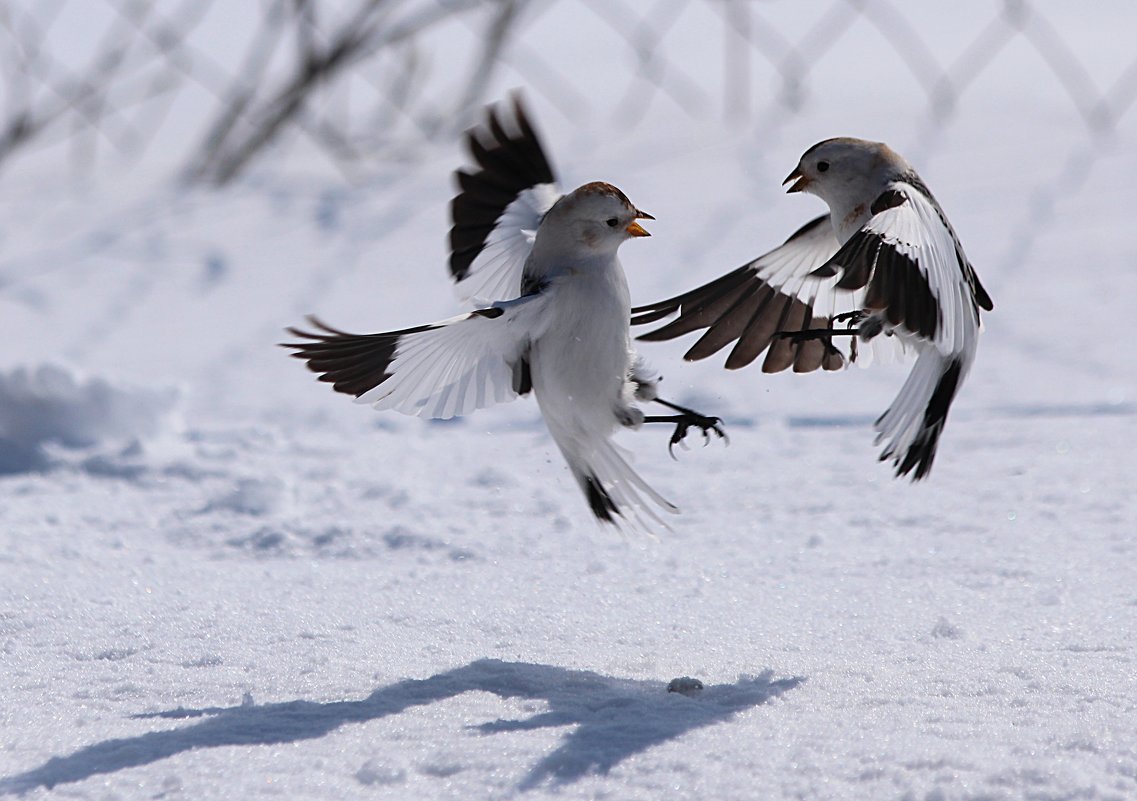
column 778, row 291
column 499, row 204
column 895, row 283
column 440, row 370
column 911, row 265
column 351, row 363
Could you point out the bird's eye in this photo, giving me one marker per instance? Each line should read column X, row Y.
column 612, row 222
column 822, row 166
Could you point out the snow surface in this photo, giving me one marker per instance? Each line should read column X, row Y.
column 221, row 580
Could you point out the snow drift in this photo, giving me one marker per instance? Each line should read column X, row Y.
column 49, row 406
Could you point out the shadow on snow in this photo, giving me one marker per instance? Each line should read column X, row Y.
column 613, row 719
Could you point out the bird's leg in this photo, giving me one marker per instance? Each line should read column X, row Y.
column 850, row 319
column 683, row 422
column 817, row 333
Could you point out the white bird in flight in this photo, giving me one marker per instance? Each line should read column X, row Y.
column 557, row 326
column 885, row 264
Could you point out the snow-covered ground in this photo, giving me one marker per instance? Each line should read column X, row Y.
column 220, row 580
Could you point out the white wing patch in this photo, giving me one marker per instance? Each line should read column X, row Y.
column 495, row 274
column 793, row 262
column 459, row 365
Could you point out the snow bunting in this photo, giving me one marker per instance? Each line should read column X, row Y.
column 885, row 260
column 557, row 326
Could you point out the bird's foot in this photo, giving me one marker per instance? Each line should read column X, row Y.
column 685, row 421
column 852, row 319
column 809, row 334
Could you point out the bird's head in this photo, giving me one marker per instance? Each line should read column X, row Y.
column 592, row 219
column 845, row 171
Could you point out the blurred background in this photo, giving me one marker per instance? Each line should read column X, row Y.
column 204, row 552
column 211, row 90
column 179, row 179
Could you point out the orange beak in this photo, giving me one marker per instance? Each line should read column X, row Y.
column 801, row 182
column 634, row 228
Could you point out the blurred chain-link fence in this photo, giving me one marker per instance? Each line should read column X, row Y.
column 212, row 86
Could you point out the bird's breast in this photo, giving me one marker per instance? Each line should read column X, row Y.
column 584, row 355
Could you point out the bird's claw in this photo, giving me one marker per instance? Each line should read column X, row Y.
column 704, row 422
column 850, row 319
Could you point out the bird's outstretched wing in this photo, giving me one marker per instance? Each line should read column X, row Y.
column 779, row 291
column 499, row 206
column 908, row 262
column 440, row 370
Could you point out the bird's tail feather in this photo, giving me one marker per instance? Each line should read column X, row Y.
column 913, row 423
column 614, row 491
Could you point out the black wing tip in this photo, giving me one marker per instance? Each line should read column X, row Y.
column 353, row 364
column 525, row 125
column 981, row 295
column 323, row 334
column 511, row 133
column 300, row 333
column 323, row 328
column 691, row 306
column 508, row 158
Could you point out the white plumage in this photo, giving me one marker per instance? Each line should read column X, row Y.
column 559, row 326
column 884, row 262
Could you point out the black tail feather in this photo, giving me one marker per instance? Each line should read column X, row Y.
column 920, row 455
column 599, row 500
